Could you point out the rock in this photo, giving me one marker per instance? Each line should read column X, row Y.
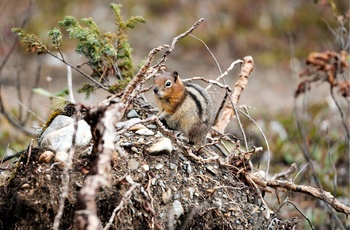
column 178, row 210
column 58, row 123
column 172, row 166
column 166, row 196
column 61, row 139
column 162, row 145
column 151, row 126
column 129, row 123
column 132, row 114
column 159, row 166
column 137, row 127
column 133, row 164
column 145, row 168
column 46, row 157
column 191, row 192
column 62, row 158
column 145, row 132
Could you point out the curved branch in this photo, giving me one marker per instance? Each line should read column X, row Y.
column 315, row 192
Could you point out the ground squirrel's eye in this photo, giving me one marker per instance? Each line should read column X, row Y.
column 168, row 83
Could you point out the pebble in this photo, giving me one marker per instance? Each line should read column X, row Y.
column 178, row 210
column 61, row 157
column 145, row 132
column 134, row 149
column 191, row 192
column 162, row 145
column 137, row 127
column 211, row 169
column 159, row 166
column 132, row 114
column 46, row 157
column 172, row 166
column 189, row 168
column 154, row 181
column 159, row 134
column 26, row 185
column 133, row 164
column 166, row 196
column 145, row 168
column 151, row 126
column 129, row 122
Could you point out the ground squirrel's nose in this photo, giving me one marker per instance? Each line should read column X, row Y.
column 155, row 90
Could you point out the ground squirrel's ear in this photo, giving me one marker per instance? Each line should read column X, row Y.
column 175, row 75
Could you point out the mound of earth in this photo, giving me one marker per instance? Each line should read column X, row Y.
column 149, row 189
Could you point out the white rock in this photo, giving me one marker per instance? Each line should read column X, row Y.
column 145, row 168
column 58, row 123
column 61, row 139
column 132, row 114
column 145, row 132
column 133, row 164
column 61, row 157
column 166, row 196
column 178, row 210
column 159, row 166
column 162, row 145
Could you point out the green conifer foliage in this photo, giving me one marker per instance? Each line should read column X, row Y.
column 108, row 55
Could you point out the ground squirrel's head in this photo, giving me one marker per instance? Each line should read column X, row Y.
column 168, row 85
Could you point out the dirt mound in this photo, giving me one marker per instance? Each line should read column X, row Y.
column 168, row 190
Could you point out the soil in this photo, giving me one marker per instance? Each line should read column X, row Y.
column 212, row 195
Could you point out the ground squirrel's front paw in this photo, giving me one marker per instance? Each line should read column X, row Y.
column 181, row 136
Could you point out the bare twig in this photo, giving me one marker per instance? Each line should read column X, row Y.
column 14, row 44
column 131, row 88
column 125, row 197
column 65, row 175
column 212, row 82
column 287, row 201
column 70, row 84
column 77, row 69
column 211, row 53
column 102, row 120
column 14, row 122
column 176, row 39
column 29, row 151
column 315, row 192
column 265, row 139
column 228, row 110
column 239, row 61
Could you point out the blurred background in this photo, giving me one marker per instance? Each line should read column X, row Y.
column 278, row 34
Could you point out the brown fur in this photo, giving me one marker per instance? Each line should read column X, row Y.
column 180, row 110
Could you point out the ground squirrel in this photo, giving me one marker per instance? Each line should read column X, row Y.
column 183, row 106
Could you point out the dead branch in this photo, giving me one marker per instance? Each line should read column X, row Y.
column 239, row 61
column 315, row 192
column 13, row 121
column 228, row 112
column 137, row 79
column 65, row 176
column 176, row 39
column 123, row 200
column 102, row 120
column 212, row 82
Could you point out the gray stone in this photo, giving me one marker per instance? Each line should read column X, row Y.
column 162, row 145
column 145, row 132
column 132, row 114
column 133, row 164
column 166, row 196
column 58, row 123
column 178, row 210
column 61, row 139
